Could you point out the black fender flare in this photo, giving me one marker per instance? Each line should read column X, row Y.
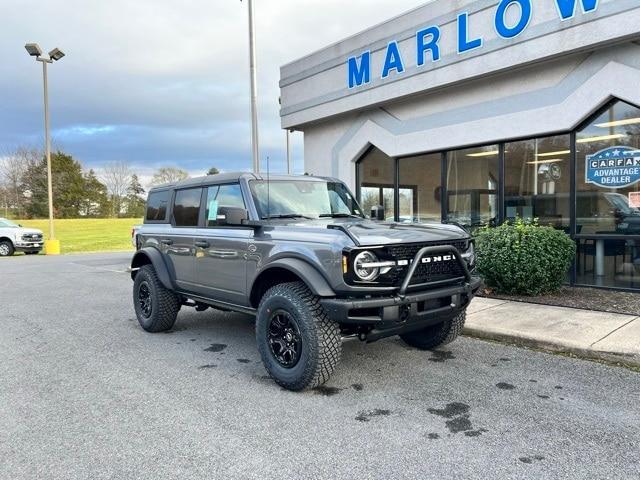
column 309, row 274
column 150, row 255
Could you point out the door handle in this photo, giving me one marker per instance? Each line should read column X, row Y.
column 202, row 244
column 166, row 241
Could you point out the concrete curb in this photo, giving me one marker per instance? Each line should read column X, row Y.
column 551, row 346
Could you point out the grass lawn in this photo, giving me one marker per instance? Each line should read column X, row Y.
column 89, row 234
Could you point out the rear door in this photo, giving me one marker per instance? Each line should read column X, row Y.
column 221, row 251
column 178, row 244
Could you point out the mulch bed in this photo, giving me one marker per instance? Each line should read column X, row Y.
column 586, row 298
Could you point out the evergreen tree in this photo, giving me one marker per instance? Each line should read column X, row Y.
column 135, row 200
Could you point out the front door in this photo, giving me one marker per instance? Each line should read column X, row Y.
column 221, row 251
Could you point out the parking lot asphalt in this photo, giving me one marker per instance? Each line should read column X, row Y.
column 85, row 393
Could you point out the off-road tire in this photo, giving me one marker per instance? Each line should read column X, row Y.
column 321, row 340
column 6, row 248
column 435, row 335
column 164, row 303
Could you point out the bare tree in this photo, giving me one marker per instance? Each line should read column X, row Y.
column 168, row 175
column 116, row 176
column 13, row 167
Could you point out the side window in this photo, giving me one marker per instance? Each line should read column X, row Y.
column 157, row 206
column 222, row 196
column 186, row 207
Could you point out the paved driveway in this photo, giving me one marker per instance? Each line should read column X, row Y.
column 85, row 393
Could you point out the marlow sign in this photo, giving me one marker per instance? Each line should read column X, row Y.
column 427, row 39
column 613, row 167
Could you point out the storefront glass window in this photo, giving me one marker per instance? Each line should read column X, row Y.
column 472, row 186
column 376, row 173
column 608, row 263
column 538, row 179
column 420, row 188
column 608, row 172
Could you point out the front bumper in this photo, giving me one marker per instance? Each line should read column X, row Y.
column 29, row 246
column 392, row 315
column 395, row 308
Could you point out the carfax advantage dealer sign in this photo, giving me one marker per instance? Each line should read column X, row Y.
column 613, row 167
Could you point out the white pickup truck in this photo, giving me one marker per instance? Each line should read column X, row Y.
column 16, row 238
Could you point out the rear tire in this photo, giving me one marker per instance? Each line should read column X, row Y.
column 436, row 335
column 156, row 307
column 6, row 248
column 299, row 345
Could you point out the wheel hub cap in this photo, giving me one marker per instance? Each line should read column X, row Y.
column 284, row 339
column 144, row 299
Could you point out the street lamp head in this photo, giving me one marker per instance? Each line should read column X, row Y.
column 33, row 49
column 56, row 54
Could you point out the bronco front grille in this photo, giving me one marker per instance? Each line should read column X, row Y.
column 426, row 272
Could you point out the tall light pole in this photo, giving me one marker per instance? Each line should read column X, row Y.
column 52, row 246
column 254, row 90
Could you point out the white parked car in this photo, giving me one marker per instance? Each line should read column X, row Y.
column 16, row 238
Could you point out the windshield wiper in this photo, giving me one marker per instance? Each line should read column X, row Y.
column 286, row 215
column 339, row 215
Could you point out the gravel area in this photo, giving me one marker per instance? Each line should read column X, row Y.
column 585, row 298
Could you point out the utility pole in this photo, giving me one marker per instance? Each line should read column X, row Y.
column 52, row 246
column 254, row 90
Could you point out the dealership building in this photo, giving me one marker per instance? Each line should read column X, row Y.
column 481, row 111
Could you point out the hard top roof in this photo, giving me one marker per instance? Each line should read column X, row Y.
column 234, row 177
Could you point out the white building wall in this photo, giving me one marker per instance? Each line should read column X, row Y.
column 533, row 101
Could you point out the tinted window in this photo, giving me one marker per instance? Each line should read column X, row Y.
column 537, row 180
column 186, row 207
column 607, row 180
column 376, row 172
column 472, row 186
column 222, row 196
column 157, row 206
column 420, row 188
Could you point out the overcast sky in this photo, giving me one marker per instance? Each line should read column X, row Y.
column 162, row 82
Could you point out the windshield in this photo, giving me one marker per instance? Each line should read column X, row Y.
column 621, row 203
column 6, row 223
column 303, row 199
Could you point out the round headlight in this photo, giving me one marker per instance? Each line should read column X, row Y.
column 363, row 270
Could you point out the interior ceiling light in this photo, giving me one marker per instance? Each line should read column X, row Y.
column 483, row 154
column 618, row 123
column 600, row 138
column 553, row 154
column 551, row 160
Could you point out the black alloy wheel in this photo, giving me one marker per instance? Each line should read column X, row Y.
column 285, row 340
column 145, row 300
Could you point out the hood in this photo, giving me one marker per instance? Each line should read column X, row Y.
column 368, row 233
column 28, row 231
column 382, row 233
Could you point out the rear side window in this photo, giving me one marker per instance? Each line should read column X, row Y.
column 186, row 207
column 157, row 206
column 222, row 196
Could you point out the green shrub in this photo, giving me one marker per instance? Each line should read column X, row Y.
column 523, row 257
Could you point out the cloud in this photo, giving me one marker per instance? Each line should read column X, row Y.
column 163, row 83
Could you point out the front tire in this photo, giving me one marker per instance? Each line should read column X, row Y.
column 436, row 335
column 6, row 248
column 299, row 345
column 156, row 307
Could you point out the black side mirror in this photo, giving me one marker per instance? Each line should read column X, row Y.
column 377, row 213
column 232, row 216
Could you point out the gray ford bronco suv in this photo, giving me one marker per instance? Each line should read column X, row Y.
column 298, row 253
